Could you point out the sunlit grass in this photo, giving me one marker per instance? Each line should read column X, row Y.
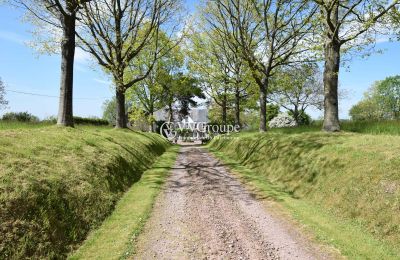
column 115, row 239
column 345, row 187
column 56, row 184
column 391, row 127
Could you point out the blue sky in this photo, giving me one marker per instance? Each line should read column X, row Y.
column 23, row 70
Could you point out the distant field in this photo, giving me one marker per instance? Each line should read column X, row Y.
column 57, row 184
column 344, row 186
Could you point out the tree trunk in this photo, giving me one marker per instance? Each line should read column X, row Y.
column 237, row 107
column 224, row 110
column 65, row 111
column 331, row 73
column 296, row 115
column 170, row 114
column 121, row 115
column 263, row 105
column 152, row 123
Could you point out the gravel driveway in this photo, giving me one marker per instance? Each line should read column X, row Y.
column 205, row 213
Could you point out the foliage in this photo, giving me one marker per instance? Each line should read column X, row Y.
column 366, row 110
column 272, row 111
column 160, row 87
column 248, row 24
column 381, row 101
column 251, row 118
column 140, row 119
column 298, row 88
column 116, row 33
column 190, row 89
column 352, row 177
column 20, row 117
column 217, row 63
column 3, row 101
column 387, row 95
column 62, row 183
column 110, row 110
column 282, row 121
column 346, row 27
column 302, row 118
column 90, row 121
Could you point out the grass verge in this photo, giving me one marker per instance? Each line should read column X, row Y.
column 390, row 127
column 115, row 238
column 57, row 184
column 343, row 187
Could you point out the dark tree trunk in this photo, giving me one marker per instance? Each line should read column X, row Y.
column 65, row 111
column 224, row 110
column 296, row 114
column 121, row 114
column 331, row 73
column 237, row 107
column 170, row 115
column 152, row 123
column 263, row 105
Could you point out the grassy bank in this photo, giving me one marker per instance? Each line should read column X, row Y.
column 116, row 236
column 58, row 184
column 391, row 127
column 9, row 125
column 345, row 187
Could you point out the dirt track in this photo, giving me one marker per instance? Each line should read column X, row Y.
column 205, row 213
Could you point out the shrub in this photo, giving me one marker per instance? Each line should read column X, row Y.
column 90, row 121
column 20, row 117
column 272, row 111
column 282, row 120
column 302, row 119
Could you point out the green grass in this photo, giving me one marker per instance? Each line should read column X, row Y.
column 57, row 184
column 115, row 238
column 365, row 127
column 8, row 125
column 344, row 187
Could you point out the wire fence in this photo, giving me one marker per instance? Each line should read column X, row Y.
column 50, row 96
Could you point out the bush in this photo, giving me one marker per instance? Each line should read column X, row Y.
column 20, row 117
column 90, row 121
column 281, row 121
column 272, row 112
column 303, row 118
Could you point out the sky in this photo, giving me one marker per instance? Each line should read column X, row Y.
column 23, row 70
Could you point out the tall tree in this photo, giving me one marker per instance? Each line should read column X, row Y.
column 3, row 101
column 270, row 34
column 298, row 88
column 346, row 24
column 189, row 92
column 115, row 32
column 60, row 14
column 152, row 93
column 221, row 68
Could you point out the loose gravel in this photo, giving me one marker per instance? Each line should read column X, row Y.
column 205, row 213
